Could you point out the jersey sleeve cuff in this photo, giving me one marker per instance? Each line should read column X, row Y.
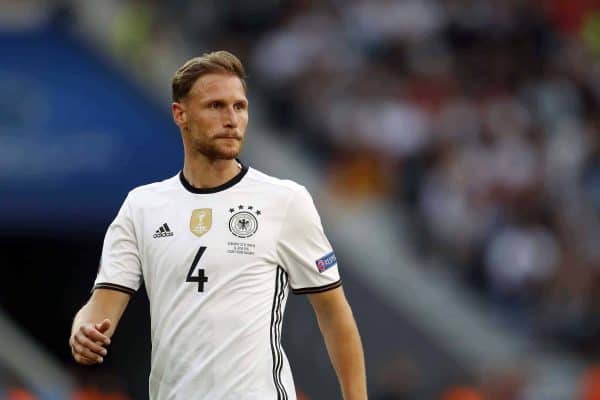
column 317, row 289
column 114, row 286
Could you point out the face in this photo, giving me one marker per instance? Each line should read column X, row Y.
column 213, row 116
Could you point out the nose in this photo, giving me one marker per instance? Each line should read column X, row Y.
column 231, row 118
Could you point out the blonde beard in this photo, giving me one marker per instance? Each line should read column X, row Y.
column 216, row 152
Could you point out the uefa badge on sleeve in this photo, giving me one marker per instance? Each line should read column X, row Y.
column 326, row 262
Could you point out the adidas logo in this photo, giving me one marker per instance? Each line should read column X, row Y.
column 163, row 231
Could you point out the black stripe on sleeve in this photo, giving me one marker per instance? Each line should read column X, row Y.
column 274, row 353
column 276, row 320
column 284, row 282
column 317, row 289
column 114, row 286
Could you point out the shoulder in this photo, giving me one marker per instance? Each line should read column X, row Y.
column 273, row 185
column 294, row 197
column 144, row 193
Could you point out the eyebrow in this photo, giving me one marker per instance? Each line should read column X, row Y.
column 222, row 100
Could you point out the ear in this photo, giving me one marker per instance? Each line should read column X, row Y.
column 179, row 114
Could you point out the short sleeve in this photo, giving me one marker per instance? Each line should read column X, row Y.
column 303, row 249
column 120, row 266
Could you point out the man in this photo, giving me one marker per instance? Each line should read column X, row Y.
column 218, row 247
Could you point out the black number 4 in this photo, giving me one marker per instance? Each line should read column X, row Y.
column 200, row 278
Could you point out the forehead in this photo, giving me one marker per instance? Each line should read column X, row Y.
column 220, row 85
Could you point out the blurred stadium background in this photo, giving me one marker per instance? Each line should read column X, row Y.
column 452, row 147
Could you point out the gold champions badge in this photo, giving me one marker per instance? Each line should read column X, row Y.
column 201, row 221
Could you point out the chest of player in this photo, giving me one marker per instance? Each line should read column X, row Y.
column 213, row 242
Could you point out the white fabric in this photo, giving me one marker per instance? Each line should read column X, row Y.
column 223, row 342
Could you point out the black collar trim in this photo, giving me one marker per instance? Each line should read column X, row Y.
column 215, row 189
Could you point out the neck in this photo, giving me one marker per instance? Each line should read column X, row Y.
column 203, row 173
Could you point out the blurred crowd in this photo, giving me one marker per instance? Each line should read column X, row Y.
column 479, row 118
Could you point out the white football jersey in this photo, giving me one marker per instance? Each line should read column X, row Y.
column 218, row 265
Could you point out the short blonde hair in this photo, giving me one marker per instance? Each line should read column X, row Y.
column 216, row 62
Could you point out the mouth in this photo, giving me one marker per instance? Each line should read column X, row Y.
column 228, row 137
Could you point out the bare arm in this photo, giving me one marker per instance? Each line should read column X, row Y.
column 342, row 340
column 95, row 324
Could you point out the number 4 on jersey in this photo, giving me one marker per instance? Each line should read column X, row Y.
column 200, row 278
